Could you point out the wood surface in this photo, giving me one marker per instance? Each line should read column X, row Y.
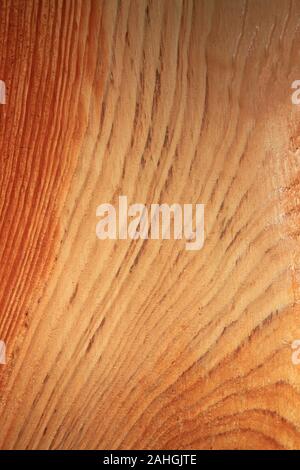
column 140, row 344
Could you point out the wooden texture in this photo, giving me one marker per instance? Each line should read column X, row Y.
column 141, row 344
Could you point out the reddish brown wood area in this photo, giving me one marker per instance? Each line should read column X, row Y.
column 141, row 344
